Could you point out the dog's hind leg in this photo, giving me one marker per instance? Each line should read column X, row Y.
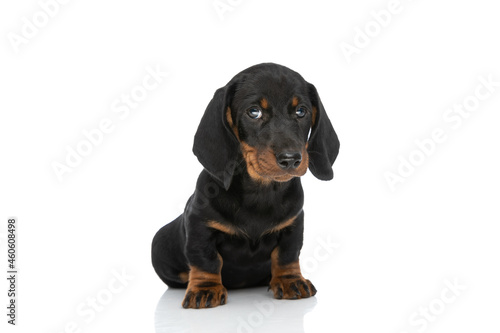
column 167, row 254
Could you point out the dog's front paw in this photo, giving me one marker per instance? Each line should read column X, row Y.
column 205, row 295
column 291, row 287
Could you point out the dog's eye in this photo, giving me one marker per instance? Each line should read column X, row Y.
column 301, row 111
column 254, row 113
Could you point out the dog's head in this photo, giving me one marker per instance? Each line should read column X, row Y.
column 274, row 119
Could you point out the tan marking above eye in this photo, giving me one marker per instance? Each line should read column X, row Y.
column 295, row 101
column 264, row 103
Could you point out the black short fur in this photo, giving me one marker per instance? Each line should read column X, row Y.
column 249, row 206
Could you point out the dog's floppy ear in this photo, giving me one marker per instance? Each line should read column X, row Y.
column 323, row 146
column 215, row 145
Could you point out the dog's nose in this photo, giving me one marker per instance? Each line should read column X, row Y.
column 289, row 160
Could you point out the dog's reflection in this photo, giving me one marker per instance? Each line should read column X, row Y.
column 247, row 310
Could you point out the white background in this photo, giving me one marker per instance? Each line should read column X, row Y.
column 396, row 249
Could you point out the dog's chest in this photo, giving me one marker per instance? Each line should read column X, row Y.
column 246, row 250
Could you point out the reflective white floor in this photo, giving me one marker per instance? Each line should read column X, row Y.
column 247, row 310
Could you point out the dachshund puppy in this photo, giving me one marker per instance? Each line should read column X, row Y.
column 243, row 226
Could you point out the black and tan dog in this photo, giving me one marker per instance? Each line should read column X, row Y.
column 243, row 226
